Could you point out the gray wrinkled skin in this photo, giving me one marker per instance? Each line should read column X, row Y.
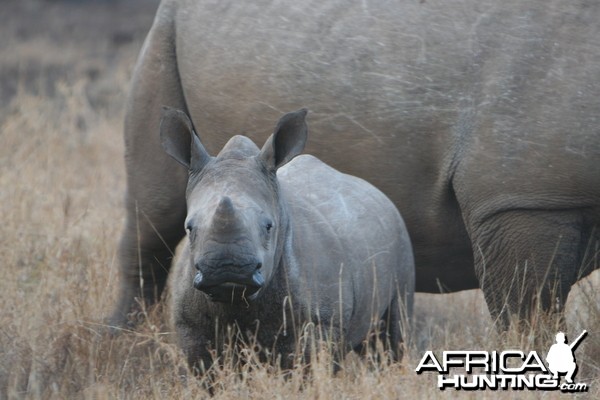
column 327, row 248
column 478, row 118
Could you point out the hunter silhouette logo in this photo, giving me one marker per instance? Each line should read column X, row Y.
column 510, row 369
column 560, row 356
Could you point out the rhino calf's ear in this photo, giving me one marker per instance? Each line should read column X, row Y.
column 179, row 140
column 287, row 141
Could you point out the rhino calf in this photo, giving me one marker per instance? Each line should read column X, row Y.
column 273, row 243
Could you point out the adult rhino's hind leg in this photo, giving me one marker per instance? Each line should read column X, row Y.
column 155, row 199
column 145, row 255
column 526, row 262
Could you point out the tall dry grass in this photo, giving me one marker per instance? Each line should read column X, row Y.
column 61, row 192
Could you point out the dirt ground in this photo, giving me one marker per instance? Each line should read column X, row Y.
column 65, row 67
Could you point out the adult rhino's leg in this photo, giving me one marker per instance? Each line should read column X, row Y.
column 526, row 261
column 155, row 198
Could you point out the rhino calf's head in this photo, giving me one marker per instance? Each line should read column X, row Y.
column 236, row 222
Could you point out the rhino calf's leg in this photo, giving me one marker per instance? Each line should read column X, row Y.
column 526, row 261
column 388, row 333
column 196, row 345
column 392, row 336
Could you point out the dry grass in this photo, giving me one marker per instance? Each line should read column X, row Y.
column 61, row 191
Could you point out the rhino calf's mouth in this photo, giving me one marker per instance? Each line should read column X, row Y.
column 231, row 291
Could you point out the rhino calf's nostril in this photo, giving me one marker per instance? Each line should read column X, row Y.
column 198, row 280
column 258, row 279
column 258, row 266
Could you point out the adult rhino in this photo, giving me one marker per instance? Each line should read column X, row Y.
column 276, row 241
column 478, row 118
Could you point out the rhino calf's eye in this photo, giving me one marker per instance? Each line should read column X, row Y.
column 269, row 226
